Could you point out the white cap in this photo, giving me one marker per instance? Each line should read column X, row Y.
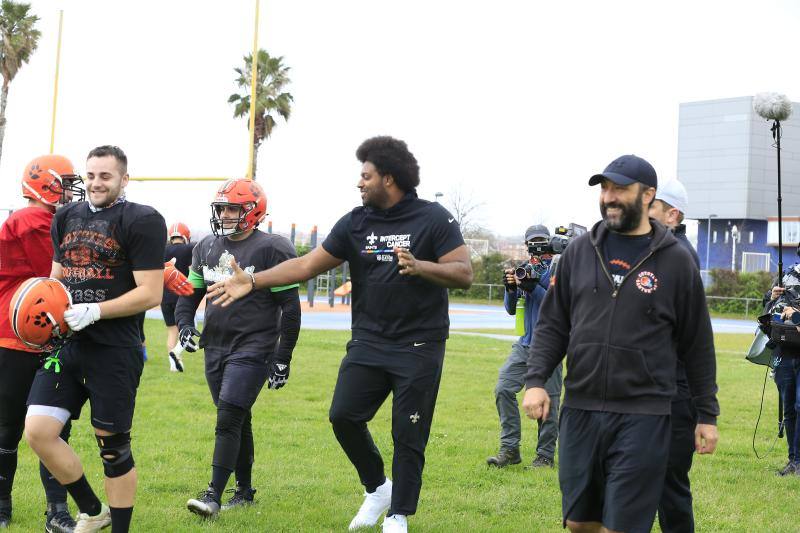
column 674, row 193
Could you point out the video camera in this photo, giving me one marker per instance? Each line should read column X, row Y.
column 530, row 272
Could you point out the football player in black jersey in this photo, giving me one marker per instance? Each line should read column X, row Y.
column 246, row 348
column 110, row 254
column 404, row 253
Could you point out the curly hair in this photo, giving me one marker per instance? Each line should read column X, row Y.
column 391, row 156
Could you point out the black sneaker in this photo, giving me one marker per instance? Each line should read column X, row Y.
column 242, row 496
column 542, row 461
column 789, row 469
column 57, row 519
column 206, row 504
column 5, row 512
column 505, row 457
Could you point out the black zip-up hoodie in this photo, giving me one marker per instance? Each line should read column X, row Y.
column 622, row 343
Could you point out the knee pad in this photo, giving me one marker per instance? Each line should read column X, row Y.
column 115, row 451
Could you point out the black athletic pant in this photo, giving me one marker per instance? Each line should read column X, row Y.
column 17, row 369
column 675, row 508
column 368, row 373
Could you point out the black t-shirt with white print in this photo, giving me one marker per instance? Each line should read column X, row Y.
column 389, row 306
column 251, row 323
column 99, row 251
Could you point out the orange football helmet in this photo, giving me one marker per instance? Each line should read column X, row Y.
column 50, row 179
column 245, row 194
column 179, row 229
column 36, row 313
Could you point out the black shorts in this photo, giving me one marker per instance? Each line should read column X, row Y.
column 236, row 378
column 168, row 310
column 17, row 369
column 107, row 376
column 611, row 467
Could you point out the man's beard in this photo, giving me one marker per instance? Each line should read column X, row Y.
column 630, row 215
column 375, row 198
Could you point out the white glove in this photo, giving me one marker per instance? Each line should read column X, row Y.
column 81, row 315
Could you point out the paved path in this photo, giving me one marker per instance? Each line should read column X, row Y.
column 464, row 316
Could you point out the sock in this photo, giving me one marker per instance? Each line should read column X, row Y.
column 84, row 496
column 244, row 463
column 121, row 519
column 219, row 478
column 230, row 420
column 8, row 467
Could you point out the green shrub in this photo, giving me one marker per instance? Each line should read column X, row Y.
column 730, row 284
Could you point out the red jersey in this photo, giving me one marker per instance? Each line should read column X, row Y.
column 26, row 251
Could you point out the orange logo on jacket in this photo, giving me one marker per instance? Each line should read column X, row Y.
column 646, row 282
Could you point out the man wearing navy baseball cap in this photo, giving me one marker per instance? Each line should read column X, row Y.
column 626, row 305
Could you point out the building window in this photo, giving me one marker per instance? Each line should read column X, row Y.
column 751, row 237
column 791, row 232
column 715, row 237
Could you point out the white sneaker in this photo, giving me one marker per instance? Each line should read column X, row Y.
column 89, row 524
column 396, row 523
column 374, row 506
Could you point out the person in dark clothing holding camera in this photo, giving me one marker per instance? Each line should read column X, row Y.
column 627, row 303
column 675, row 508
column 511, row 378
column 787, row 371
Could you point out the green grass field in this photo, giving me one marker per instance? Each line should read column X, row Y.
column 305, row 483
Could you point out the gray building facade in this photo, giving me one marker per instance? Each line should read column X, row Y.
column 727, row 162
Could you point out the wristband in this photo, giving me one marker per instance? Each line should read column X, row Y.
column 252, row 280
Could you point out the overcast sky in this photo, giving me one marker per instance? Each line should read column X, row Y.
column 516, row 102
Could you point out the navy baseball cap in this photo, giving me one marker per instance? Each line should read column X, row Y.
column 628, row 169
column 537, row 231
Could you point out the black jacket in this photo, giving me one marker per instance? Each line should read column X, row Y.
column 622, row 344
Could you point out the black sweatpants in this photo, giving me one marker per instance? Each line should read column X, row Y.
column 17, row 370
column 368, row 373
column 675, row 508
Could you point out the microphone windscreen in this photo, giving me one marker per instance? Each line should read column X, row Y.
column 772, row 106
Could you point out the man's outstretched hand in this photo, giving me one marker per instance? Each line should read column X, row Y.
column 237, row 286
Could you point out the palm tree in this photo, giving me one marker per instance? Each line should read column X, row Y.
column 18, row 40
column 272, row 77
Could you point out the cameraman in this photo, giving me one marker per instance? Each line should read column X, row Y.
column 511, row 378
column 787, row 371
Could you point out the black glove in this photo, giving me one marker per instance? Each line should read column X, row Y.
column 278, row 374
column 187, row 338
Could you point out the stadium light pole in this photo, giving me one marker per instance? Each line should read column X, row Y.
column 734, row 236
column 708, row 239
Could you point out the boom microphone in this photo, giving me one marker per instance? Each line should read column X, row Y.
column 772, row 106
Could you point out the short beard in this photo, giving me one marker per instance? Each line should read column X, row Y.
column 376, row 199
column 630, row 216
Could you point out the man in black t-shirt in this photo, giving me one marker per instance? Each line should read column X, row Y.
column 246, row 346
column 403, row 253
column 109, row 253
column 178, row 248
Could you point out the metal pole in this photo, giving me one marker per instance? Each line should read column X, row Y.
column 292, row 234
column 55, row 83
column 708, row 241
column 312, row 283
column 776, row 133
column 344, row 280
column 253, row 75
column 331, row 286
